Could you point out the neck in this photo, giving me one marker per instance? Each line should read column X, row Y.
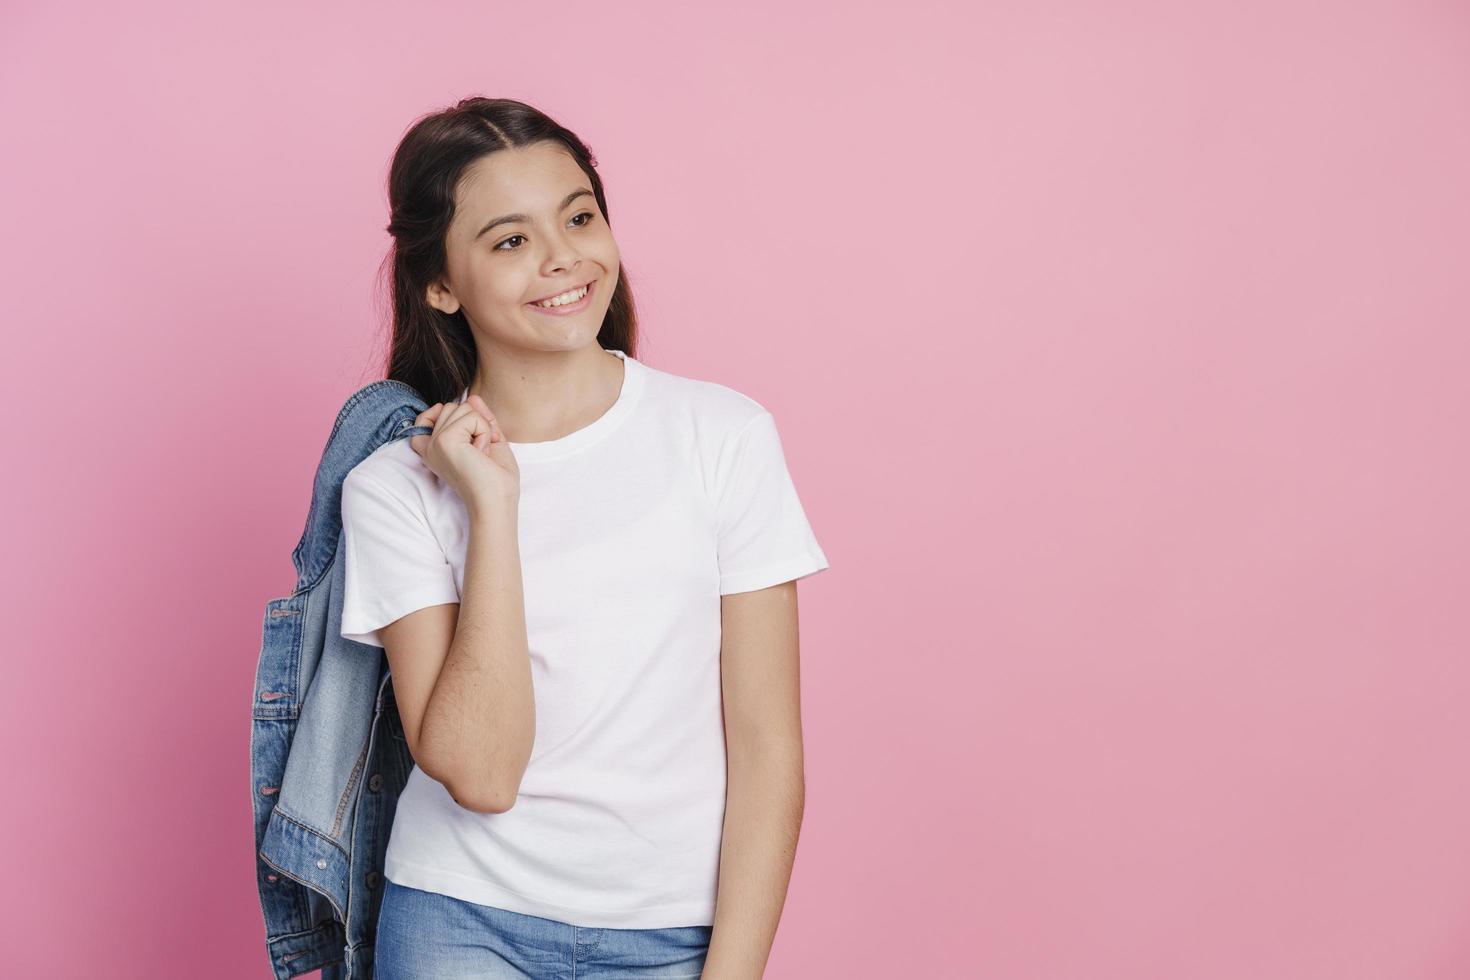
column 538, row 396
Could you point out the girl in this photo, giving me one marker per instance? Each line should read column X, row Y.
column 583, row 581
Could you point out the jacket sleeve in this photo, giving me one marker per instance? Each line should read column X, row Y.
column 764, row 537
column 394, row 563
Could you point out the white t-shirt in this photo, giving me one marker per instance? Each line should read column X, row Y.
column 630, row 530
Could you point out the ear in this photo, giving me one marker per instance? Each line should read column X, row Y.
column 440, row 298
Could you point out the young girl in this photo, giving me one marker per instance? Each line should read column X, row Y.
column 583, row 581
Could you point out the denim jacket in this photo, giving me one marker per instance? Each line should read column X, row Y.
column 328, row 757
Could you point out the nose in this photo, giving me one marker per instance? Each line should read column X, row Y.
column 561, row 255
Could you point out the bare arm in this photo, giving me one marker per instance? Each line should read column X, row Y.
column 766, row 787
column 469, row 712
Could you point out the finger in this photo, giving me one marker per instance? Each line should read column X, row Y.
column 453, row 415
column 464, row 415
column 428, row 415
column 445, row 417
column 481, row 407
column 476, row 423
column 479, row 404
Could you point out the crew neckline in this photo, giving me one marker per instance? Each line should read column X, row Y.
column 592, row 432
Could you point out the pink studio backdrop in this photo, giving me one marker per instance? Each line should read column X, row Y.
column 1119, row 351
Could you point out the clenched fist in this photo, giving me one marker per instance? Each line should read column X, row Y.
column 468, row 451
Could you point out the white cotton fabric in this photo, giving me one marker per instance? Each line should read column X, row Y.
column 630, row 530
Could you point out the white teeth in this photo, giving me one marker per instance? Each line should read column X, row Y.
column 564, row 298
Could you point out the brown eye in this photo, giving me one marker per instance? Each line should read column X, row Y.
column 589, row 215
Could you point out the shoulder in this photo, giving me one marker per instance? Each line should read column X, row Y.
column 716, row 410
column 394, row 468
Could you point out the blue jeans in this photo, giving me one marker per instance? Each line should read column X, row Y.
column 427, row 936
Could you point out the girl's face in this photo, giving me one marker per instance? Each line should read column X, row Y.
column 527, row 227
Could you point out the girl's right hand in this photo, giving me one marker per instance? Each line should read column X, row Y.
column 468, row 451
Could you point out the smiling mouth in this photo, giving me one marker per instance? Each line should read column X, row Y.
column 585, row 286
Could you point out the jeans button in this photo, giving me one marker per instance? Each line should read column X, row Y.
column 376, row 782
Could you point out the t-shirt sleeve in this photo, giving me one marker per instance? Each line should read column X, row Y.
column 394, row 564
column 764, row 538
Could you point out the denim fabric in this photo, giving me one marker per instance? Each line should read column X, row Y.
column 328, row 757
column 426, row 936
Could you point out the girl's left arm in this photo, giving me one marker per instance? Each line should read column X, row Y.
column 765, row 786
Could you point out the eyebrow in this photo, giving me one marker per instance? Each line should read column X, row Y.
column 521, row 217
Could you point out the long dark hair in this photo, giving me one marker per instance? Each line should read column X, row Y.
column 434, row 352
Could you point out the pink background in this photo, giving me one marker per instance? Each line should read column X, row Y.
column 1119, row 350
